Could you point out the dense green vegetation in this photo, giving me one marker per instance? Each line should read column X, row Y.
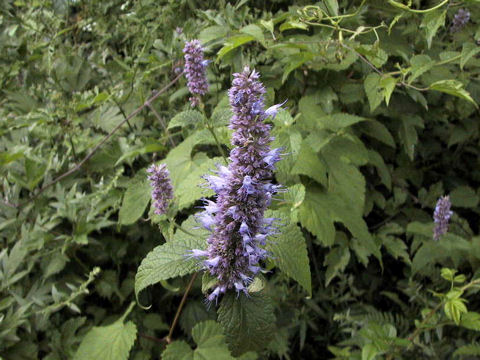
column 381, row 120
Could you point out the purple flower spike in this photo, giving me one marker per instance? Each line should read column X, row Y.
column 243, row 190
column 195, row 70
column 441, row 217
column 162, row 190
column 460, row 19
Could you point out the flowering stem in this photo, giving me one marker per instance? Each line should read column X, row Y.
column 210, row 128
column 212, row 131
column 168, row 339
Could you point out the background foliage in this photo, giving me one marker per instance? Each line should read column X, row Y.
column 381, row 120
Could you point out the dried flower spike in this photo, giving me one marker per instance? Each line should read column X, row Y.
column 162, row 189
column 460, row 19
column 441, row 217
column 244, row 191
column 195, row 70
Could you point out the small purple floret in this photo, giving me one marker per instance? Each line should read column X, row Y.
column 441, row 217
column 162, row 189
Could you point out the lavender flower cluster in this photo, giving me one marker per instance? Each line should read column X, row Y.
column 195, row 70
column 236, row 219
column 441, row 217
column 162, row 189
column 459, row 21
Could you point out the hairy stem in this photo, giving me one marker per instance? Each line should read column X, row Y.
column 168, row 338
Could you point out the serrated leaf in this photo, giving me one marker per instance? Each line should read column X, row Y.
column 378, row 131
column 248, row 322
column 135, row 200
column 336, row 261
column 232, row 43
column 454, row 309
column 431, row 22
column 171, row 259
column 190, row 188
column 177, row 350
column 464, row 196
column 255, row 31
column 419, row 65
column 373, row 90
column 453, row 87
column 185, row 118
column 212, row 33
column 408, row 133
column 112, row 342
column 211, row 342
column 316, row 217
column 471, row 320
column 388, row 84
column 471, row 349
column 308, row 163
column 295, row 61
column 469, row 50
column 289, row 251
column 339, row 121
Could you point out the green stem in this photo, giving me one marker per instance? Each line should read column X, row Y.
column 406, row 8
column 179, row 227
column 212, row 131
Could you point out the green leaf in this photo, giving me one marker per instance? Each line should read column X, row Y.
column 469, row 50
column 339, row 121
column 211, row 342
column 185, row 118
column 336, row 261
column 112, row 342
column 453, row 87
column 471, row 320
column 388, row 84
column 377, row 130
column 454, row 309
column 289, row 251
column 332, row 7
column 408, row 133
column 369, row 352
column 135, row 200
column 171, row 259
column 464, row 196
column 316, row 217
column 232, row 43
column 374, row 91
column 431, row 23
column 295, row 61
column 255, row 31
column 212, row 33
column 178, row 350
column 248, row 322
column 308, row 163
column 376, row 159
column 470, row 349
column 149, row 148
column 190, row 189
column 419, row 65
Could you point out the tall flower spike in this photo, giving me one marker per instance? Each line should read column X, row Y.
column 441, row 217
column 195, row 70
column 243, row 191
column 460, row 19
column 162, row 190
